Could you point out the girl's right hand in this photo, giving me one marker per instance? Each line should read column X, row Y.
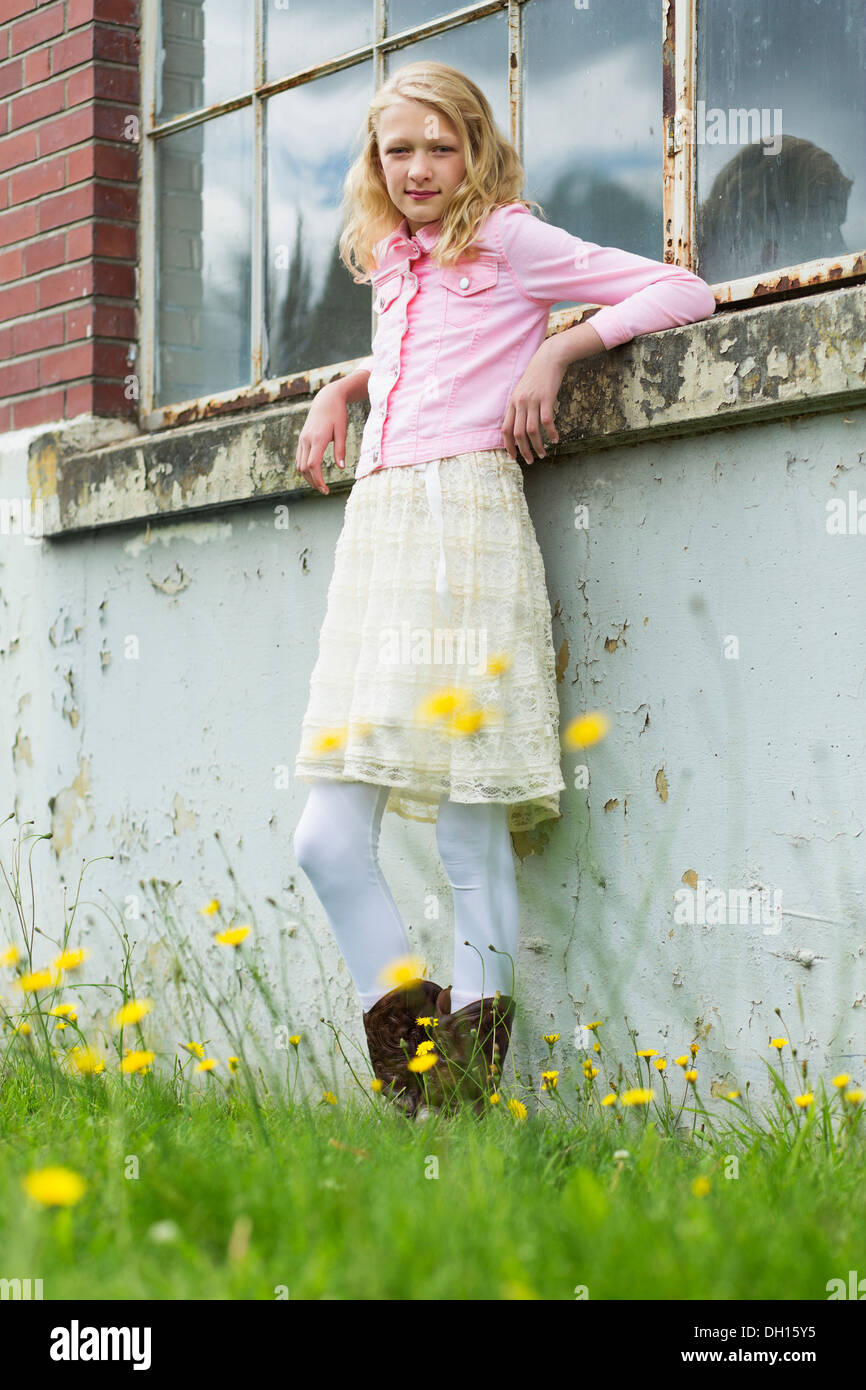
column 325, row 423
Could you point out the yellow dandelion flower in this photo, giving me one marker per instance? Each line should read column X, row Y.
column 842, row 1079
column 232, row 936
column 233, row 1064
column 86, row 1061
column 854, row 1096
column 426, row 1046
column 682, row 1061
column 609, row 1099
column 549, row 1080
column 498, row 663
column 375, row 1084
column 295, row 1039
column 593, row 1026
column 586, row 730
column 550, row 1038
column 210, row 908
column 640, row 1095
column 494, row 1099
column 55, row 1186
column 466, row 722
column 137, row 1062
column 423, row 1063
column 330, row 739
column 590, row 1072
column 34, row 980
column 659, row 1063
column 691, row 1076
column 22, row 1028
column 442, row 703
column 402, row 971
column 648, row 1052
column 701, row 1186
column 195, row 1048
column 596, row 1047
column 10, row 956
column 778, row 1043
column 804, row 1101
column 70, row 960
column 518, row 1109
column 694, row 1049
column 428, row 1022
column 207, row 1064
column 731, row 1095
column 329, row 1097
column 64, row 1011
column 133, row 1011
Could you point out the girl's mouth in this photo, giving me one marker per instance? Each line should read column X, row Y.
column 413, row 194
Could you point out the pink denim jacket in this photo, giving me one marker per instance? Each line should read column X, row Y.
column 453, row 342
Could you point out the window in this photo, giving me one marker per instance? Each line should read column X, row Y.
column 725, row 135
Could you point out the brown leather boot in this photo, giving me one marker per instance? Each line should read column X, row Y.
column 393, row 1036
column 472, row 1044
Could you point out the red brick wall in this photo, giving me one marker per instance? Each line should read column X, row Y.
column 69, row 83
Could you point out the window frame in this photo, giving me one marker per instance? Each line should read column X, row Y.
column 678, row 36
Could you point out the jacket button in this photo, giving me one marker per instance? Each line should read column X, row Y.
column 464, row 282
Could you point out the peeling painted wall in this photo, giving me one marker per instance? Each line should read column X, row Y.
column 153, row 677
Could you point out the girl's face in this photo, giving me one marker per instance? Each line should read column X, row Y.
column 419, row 149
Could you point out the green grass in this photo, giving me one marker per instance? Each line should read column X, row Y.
column 241, row 1184
column 527, row 1209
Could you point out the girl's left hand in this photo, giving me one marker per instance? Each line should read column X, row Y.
column 532, row 402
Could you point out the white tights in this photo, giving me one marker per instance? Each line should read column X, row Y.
column 336, row 844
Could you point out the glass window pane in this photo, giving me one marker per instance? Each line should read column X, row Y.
column 206, row 54
column 592, row 124
column 479, row 49
column 405, row 14
column 204, row 181
column 315, row 314
column 300, row 33
column 792, row 73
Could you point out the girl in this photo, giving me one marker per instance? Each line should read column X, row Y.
column 434, row 691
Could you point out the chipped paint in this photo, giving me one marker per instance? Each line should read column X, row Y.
column 181, row 818
column 68, row 808
column 172, row 584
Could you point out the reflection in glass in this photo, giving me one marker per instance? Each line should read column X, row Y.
column 592, row 125
column 206, row 54
column 778, row 130
column 204, row 179
column 300, row 33
column 479, row 49
column 316, row 315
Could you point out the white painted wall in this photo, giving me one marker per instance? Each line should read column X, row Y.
column 152, row 684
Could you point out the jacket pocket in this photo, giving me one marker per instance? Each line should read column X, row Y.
column 468, row 289
column 386, row 293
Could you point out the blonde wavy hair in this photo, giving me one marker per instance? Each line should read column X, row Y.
column 494, row 173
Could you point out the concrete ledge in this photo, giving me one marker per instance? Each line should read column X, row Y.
column 791, row 357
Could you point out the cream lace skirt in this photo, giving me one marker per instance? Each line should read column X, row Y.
column 435, row 672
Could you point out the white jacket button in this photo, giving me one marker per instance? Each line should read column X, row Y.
column 464, row 282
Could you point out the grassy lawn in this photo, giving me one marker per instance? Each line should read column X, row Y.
column 200, row 1196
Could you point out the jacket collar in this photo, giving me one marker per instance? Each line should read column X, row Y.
column 399, row 248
